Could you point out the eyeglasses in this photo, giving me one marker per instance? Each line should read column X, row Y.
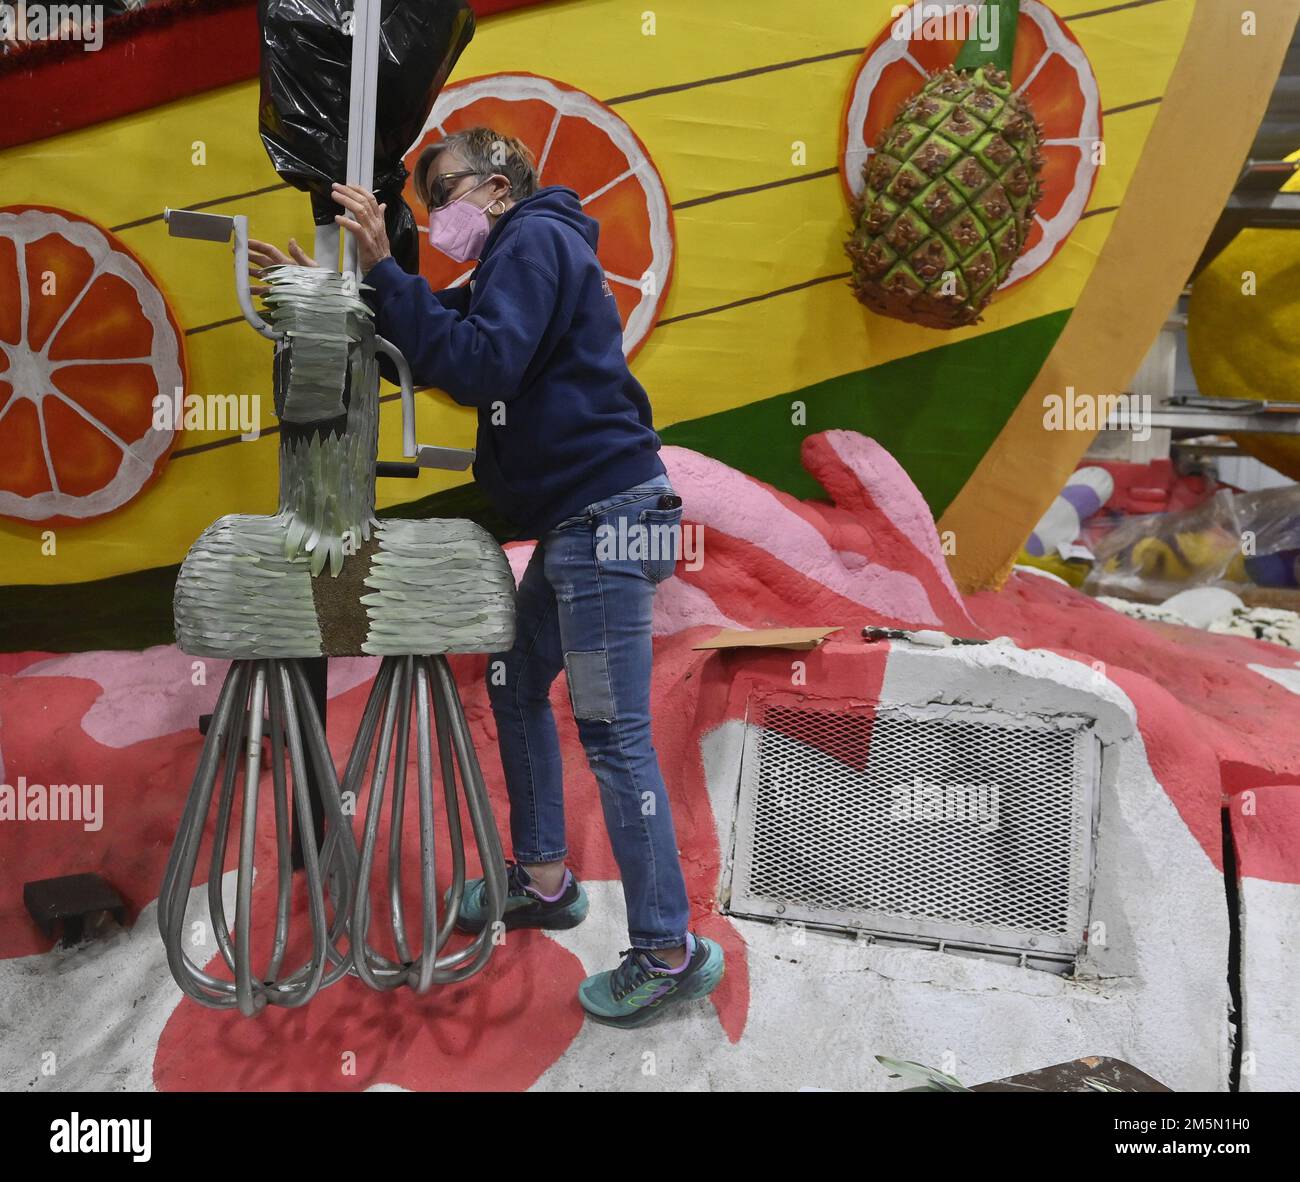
column 439, row 192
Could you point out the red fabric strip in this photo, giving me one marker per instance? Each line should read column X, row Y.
column 171, row 52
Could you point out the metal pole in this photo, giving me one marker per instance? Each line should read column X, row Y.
column 366, row 16
column 363, row 99
column 316, row 670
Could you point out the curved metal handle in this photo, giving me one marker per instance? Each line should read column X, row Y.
column 455, row 459
column 242, row 292
column 216, row 227
column 409, row 448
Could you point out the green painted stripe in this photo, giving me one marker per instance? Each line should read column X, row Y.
column 125, row 612
column 937, row 412
column 134, row 611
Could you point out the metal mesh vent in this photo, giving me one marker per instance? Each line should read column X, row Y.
column 954, row 825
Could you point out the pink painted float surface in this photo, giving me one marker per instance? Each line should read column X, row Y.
column 1213, row 724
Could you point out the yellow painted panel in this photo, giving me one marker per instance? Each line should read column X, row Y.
column 130, row 168
column 705, row 139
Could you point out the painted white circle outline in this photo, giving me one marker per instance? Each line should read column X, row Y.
column 139, row 456
column 576, row 103
column 1055, row 232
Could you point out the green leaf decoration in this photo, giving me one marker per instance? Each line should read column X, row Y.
column 930, row 1079
column 974, row 54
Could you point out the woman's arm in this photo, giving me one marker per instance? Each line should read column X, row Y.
column 481, row 355
column 454, row 299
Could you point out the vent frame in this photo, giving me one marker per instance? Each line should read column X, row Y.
column 1027, row 944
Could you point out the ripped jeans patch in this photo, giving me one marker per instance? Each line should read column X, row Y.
column 590, row 691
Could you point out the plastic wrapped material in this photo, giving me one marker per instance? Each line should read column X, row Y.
column 1232, row 540
column 303, row 108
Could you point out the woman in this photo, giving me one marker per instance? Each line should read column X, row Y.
column 566, row 449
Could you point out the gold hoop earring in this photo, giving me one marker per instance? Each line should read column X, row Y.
column 496, row 213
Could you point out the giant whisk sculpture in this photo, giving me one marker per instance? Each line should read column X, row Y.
column 323, row 576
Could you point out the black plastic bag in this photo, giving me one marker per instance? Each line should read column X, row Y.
column 303, row 109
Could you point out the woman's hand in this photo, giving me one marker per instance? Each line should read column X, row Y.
column 262, row 255
column 366, row 223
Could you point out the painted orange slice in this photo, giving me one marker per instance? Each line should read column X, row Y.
column 1050, row 69
column 86, row 344
column 581, row 143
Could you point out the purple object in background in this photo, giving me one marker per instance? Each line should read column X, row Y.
column 1279, row 569
column 1083, row 495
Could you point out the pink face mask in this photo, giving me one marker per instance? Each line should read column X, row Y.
column 459, row 229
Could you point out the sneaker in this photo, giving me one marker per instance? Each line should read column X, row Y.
column 643, row 986
column 526, row 906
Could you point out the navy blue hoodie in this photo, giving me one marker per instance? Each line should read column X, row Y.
column 537, row 347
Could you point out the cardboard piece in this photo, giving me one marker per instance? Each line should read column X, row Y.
column 1096, row 1073
column 795, row 638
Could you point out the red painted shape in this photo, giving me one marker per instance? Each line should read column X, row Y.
column 11, row 663
column 1245, row 777
column 144, row 788
column 1210, row 723
column 1265, row 823
column 498, row 1031
column 57, row 87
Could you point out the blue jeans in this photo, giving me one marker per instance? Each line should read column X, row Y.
column 585, row 605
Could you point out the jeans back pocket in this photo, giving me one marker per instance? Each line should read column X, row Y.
column 662, row 534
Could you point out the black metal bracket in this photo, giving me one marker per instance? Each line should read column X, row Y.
column 1255, row 204
column 75, row 903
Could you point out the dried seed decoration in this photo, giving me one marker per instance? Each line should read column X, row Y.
column 966, row 145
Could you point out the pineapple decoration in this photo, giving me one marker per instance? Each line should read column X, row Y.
column 950, row 191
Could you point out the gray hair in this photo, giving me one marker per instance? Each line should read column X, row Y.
column 487, row 152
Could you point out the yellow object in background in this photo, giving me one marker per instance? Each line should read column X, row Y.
column 1243, row 324
column 1191, row 558
column 1073, row 571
